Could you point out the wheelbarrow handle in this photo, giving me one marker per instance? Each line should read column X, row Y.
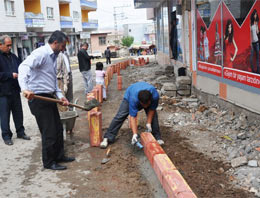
column 57, row 101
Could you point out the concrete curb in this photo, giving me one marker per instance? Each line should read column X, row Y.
column 170, row 178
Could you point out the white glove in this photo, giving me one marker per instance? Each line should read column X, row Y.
column 134, row 139
column 148, row 128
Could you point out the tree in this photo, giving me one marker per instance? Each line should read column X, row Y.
column 127, row 41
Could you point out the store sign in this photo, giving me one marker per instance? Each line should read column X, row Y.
column 210, row 68
column 84, row 35
column 246, row 78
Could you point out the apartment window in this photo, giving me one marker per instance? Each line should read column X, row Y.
column 75, row 15
column 9, row 7
column 50, row 13
column 102, row 40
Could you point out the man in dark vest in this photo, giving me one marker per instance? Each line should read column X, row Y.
column 10, row 99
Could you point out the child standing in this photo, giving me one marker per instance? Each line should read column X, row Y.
column 100, row 78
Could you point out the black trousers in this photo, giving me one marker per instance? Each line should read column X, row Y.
column 48, row 120
column 108, row 60
column 11, row 103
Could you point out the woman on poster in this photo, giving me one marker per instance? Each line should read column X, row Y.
column 201, row 44
column 217, row 52
column 229, row 43
column 254, row 31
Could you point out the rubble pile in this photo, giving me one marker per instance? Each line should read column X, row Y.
column 236, row 139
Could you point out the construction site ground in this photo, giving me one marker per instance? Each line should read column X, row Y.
column 128, row 173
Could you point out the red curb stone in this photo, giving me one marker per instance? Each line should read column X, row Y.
column 152, row 149
column 161, row 165
column 174, row 184
column 147, row 138
column 95, row 134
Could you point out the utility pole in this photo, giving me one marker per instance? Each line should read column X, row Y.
column 118, row 16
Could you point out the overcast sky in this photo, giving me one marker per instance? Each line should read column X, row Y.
column 105, row 13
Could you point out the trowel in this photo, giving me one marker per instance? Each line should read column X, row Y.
column 106, row 159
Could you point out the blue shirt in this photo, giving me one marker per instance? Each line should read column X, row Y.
column 131, row 95
column 37, row 72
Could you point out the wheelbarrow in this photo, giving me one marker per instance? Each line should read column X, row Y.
column 68, row 119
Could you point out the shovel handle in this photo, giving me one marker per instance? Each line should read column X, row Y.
column 57, row 101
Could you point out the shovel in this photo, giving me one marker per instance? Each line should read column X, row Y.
column 88, row 105
column 106, row 159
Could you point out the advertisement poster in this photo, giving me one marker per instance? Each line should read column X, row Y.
column 209, row 45
column 236, row 51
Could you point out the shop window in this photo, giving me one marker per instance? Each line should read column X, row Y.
column 239, row 8
column 50, row 14
column 75, row 15
column 9, row 8
column 165, row 29
column 102, row 40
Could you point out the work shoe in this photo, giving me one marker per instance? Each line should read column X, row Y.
column 104, row 143
column 66, row 159
column 160, row 142
column 8, row 142
column 91, row 104
column 24, row 137
column 56, row 166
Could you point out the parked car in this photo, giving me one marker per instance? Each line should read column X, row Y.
column 96, row 54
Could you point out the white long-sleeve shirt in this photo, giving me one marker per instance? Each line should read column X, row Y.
column 37, row 72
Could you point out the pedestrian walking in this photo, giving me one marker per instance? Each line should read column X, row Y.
column 10, row 99
column 37, row 76
column 100, row 78
column 138, row 96
column 85, row 67
column 108, row 56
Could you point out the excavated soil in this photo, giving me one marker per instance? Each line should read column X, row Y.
column 122, row 175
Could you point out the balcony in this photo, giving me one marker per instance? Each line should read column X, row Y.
column 91, row 24
column 34, row 20
column 66, row 22
column 88, row 5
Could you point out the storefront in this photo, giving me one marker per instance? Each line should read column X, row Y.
column 227, row 41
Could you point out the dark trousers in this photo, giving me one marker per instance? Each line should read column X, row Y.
column 120, row 117
column 48, row 120
column 69, row 94
column 8, row 104
column 108, row 60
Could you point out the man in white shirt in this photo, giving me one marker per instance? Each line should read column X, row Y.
column 37, row 76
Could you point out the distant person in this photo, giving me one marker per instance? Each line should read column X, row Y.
column 154, row 50
column 63, row 78
column 69, row 94
column 174, row 37
column 138, row 96
column 10, row 99
column 85, row 67
column 100, row 78
column 108, row 56
column 37, row 76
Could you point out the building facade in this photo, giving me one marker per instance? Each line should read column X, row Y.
column 216, row 40
column 30, row 22
column 141, row 32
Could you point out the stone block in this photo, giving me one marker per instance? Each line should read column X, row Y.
column 169, row 86
column 183, row 80
column 239, row 161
